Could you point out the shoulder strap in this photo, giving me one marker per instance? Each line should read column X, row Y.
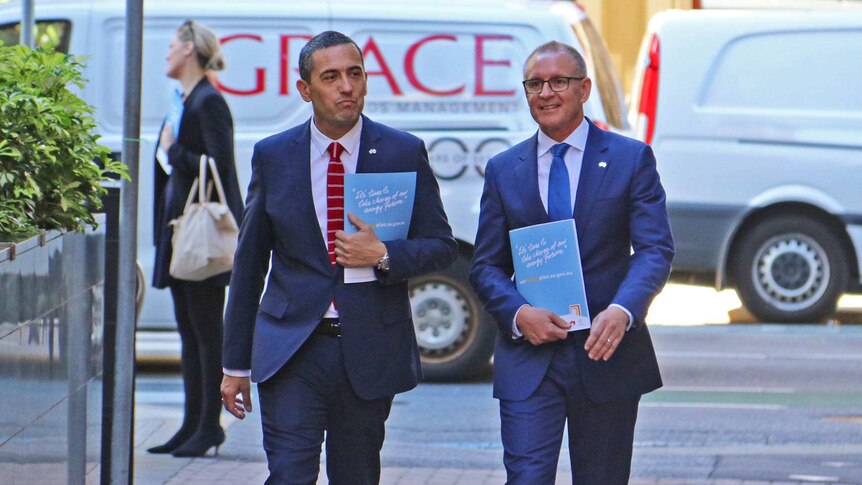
column 217, row 180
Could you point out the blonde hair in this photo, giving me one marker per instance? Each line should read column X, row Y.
column 207, row 45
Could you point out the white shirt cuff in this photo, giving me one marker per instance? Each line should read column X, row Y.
column 631, row 319
column 516, row 332
column 237, row 373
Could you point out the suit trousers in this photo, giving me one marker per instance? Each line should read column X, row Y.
column 199, row 310
column 601, row 435
column 309, row 396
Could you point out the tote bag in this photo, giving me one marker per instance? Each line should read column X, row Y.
column 205, row 235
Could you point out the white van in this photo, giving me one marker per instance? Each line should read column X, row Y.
column 448, row 71
column 756, row 122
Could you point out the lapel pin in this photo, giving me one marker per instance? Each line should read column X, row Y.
column 372, row 151
column 603, row 164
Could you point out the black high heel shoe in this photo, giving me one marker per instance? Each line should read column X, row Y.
column 172, row 444
column 200, row 443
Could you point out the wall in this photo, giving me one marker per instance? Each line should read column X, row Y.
column 51, row 326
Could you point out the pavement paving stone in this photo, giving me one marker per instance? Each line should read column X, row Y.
column 242, row 460
column 200, row 471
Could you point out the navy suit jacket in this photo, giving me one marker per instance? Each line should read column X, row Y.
column 280, row 227
column 619, row 207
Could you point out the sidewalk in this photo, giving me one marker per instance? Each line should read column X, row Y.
column 241, row 460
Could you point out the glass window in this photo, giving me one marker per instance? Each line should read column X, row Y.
column 49, row 33
column 800, row 71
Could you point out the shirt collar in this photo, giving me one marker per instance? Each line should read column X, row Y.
column 577, row 138
column 350, row 140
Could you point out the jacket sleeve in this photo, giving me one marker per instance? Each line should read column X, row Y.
column 216, row 130
column 251, row 264
column 492, row 269
column 430, row 245
column 651, row 239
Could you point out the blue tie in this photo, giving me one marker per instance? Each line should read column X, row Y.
column 559, row 192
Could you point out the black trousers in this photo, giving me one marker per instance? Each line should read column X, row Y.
column 199, row 310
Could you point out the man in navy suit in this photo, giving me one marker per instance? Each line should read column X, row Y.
column 544, row 375
column 328, row 356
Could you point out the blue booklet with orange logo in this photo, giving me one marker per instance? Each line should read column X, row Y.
column 548, row 270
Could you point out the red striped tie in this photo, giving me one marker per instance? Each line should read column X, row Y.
column 334, row 197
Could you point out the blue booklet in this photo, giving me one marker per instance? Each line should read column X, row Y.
column 174, row 116
column 384, row 200
column 175, row 112
column 548, row 270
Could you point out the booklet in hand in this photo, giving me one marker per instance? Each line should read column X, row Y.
column 548, row 270
column 175, row 112
column 173, row 117
column 384, row 200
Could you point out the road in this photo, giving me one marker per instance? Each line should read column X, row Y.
column 747, row 402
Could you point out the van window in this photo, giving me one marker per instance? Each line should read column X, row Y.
column 753, row 74
column 606, row 80
column 49, row 33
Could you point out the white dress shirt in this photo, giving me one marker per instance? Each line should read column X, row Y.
column 574, row 157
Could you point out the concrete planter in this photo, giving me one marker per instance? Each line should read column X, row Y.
column 51, row 334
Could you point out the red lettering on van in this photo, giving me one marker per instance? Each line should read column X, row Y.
column 260, row 73
column 410, row 69
column 481, row 62
column 284, row 66
column 372, row 48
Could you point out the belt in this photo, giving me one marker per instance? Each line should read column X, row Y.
column 329, row 326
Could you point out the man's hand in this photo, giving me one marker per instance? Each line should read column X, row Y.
column 541, row 326
column 606, row 333
column 359, row 249
column 166, row 139
column 231, row 387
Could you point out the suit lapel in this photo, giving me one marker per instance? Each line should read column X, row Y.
column 366, row 160
column 593, row 170
column 527, row 175
column 298, row 178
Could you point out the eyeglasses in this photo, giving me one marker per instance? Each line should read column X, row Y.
column 190, row 24
column 557, row 84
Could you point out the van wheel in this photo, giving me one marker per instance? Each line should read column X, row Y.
column 455, row 336
column 790, row 269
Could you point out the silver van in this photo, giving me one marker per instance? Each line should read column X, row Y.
column 756, row 122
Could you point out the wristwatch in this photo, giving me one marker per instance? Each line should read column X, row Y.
column 383, row 263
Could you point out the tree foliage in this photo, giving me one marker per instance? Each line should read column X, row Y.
column 51, row 164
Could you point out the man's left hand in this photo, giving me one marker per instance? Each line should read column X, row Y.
column 606, row 333
column 358, row 249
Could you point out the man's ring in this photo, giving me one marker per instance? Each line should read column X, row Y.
column 610, row 340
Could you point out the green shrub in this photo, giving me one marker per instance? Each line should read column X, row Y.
column 51, row 164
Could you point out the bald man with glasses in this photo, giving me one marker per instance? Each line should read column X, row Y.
column 545, row 376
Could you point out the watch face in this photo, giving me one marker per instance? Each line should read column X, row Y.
column 383, row 264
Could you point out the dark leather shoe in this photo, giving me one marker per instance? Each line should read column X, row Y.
column 200, row 443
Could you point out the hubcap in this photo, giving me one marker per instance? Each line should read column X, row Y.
column 791, row 271
column 441, row 318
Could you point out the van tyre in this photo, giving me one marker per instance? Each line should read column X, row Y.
column 455, row 336
column 790, row 270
